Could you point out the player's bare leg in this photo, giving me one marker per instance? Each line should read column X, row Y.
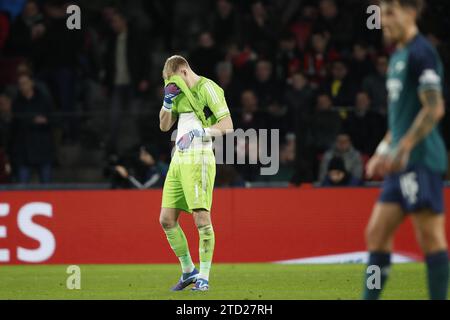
column 202, row 220
column 168, row 218
column 430, row 233
column 384, row 221
column 178, row 242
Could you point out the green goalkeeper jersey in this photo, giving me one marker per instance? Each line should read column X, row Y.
column 210, row 98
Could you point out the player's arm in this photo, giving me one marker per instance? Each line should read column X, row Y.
column 166, row 117
column 224, row 126
column 215, row 99
column 432, row 111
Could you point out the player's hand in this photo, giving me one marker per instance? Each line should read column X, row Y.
column 122, row 171
column 186, row 139
column 376, row 166
column 399, row 157
column 8, row 168
column 171, row 91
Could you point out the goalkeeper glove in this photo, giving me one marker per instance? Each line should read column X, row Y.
column 171, row 91
column 186, row 139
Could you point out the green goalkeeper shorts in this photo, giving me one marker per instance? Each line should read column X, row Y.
column 190, row 180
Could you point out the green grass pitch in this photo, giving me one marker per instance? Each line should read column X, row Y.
column 228, row 281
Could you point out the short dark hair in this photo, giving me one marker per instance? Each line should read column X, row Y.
column 415, row 4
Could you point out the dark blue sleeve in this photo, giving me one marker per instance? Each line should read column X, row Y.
column 424, row 66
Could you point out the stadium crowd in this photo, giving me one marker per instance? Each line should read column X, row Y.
column 82, row 105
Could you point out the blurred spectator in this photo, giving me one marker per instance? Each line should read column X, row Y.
column 250, row 169
column 27, row 32
column 287, row 162
column 5, row 119
column 250, row 115
column 340, row 86
column 13, row 8
column 365, row 127
column 302, row 28
column 288, row 58
column 139, row 169
column 249, row 118
column 228, row 82
column 32, row 138
column 336, row 23
column 206, row 56
column 324, row 125
column 242, row 60
column 338, row 176
column 24, row 68
column 317, row 57
column 225, row 23
column 344, row 149
column 265, row 85
column 163, row 28
column 279, row 118
column 148, row 125
column 4, row 29
column 443, row 49
column 360, row 64
column 299, row 98
column 5, row 133
column 299, row 95
column 103, row 23
column 57, row 65
column 285, row 11
column 127, row 63
column 375, row 85
column 260, row 31
column 228, row 176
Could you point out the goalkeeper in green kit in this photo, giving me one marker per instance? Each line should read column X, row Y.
column 201, row 110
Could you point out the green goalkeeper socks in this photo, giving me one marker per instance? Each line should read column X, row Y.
column 179, row 245
column 206, row 250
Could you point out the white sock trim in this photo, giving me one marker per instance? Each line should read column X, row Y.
column 205, row 268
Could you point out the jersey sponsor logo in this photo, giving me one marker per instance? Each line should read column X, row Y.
column 409, row 186
column 394, row 87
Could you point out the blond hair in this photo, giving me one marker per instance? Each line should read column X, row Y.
column 173, row 64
